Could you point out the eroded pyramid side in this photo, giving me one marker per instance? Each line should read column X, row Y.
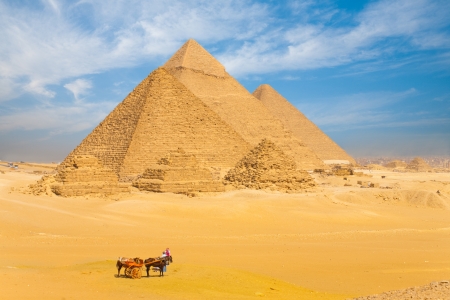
column 234, row 104
column 173, row 117
column 300, row 125
column 267, row 167
column 110, row 140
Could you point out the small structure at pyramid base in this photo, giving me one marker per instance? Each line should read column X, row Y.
column 418, row 165
column 83, row 174
column 178, row 173
column 267, row 167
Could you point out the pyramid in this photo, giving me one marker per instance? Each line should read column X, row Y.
column 205, row 77
column 301, row 126
column 159, row 116
column 178, row 173
column 83, row 174
column 267, row 167
column 396, row 164
column 419, row 165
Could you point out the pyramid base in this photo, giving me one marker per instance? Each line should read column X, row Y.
column 178, row 187
column 286, row 187
column 81, row 189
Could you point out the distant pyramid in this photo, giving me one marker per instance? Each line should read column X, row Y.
column 158, row 116
column 202, row 74
column 267, row 167
column 418, row 164
column 300, row 125
column 396, row 164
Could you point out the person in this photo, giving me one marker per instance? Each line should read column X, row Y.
column 167, row 252
column 163, row 256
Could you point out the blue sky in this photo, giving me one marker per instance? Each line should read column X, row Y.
column 374, row 75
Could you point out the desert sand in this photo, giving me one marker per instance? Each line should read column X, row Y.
column 329, row 242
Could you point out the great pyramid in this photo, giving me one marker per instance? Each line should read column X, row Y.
column 267, row 167
column 202, row 74
column 301, row 126
column 159, row 116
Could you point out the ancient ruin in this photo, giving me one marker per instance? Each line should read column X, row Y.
column 301, row 126
column 179, row 173
column 396, row 164
column 160, row 115
column 419, row 165
column 268, row 167
column 204, row 76
column 194, row 104
column 83, row 174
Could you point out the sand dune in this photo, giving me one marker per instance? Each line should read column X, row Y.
column 336, row 242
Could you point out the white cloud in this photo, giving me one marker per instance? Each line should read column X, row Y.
column 41, row 47
column 373, row 109
column 383, row 29
column 57, row 119
column 79, row 87
column 47, row 46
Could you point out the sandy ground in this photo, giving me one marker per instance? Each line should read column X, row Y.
column 335, row 242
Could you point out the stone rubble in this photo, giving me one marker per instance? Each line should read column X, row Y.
column 268, row 167
column 433, row 291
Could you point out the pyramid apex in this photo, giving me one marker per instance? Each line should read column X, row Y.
column 262, row 89
column 193, row 56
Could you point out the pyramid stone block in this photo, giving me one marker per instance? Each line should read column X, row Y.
column 202, row 74
column 83, row 174
column 179, row 173
column 301, row 126
column 267, row 167
column 159, row 115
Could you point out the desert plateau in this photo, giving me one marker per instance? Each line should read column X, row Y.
column 329, row 242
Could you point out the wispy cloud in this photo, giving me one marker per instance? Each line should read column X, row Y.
column 363, row 110
column 78, row 87
column 42, row 46
column 385, row 28
column 58, row 42
column 57, row 119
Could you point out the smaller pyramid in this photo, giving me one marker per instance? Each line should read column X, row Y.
column 396, row 164
column 178, row 173
column 267, row 167
column 302, row 128
column 83, row 174
column 419, row 165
